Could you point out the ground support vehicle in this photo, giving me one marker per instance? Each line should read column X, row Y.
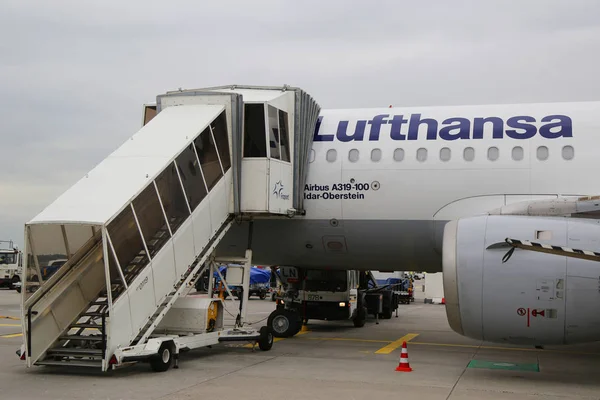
column 259, row 283
column 11, row 264
column 328, row 295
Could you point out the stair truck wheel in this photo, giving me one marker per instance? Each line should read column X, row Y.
column 266, row 339
column 283, row 323
column 164, row 359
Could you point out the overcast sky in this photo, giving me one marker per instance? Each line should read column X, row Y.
column 74, row 74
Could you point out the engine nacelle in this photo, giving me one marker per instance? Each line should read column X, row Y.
column 533, row 298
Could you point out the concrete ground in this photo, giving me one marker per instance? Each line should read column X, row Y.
column 329, row 360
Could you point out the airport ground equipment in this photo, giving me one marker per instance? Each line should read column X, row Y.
column 11, row 264
column 142, row 224
column 259, row 283
column 328, row 295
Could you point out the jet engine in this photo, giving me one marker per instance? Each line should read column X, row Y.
column 532, row 298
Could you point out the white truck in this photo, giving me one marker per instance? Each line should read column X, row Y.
column 11, row 264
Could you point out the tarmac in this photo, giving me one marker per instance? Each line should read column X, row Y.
column 327, row 360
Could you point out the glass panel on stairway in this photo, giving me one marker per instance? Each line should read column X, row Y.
column 127, row 241
column 192, row 180
column 49, row 247
column 30, row 275
column 274, row 133
column 116, row 283
column 209, row 160
column 152, row 220
column 77, row 236
column 219, row 130
column 171, row 195
column 255, row 142
column 283, row 134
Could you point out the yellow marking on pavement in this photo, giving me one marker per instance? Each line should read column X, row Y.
column 398, row 343
column 10, row 324
column 9, row 317
column 11, row 336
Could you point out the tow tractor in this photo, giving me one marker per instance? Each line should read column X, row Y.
column 11, row 264
column 328, row 295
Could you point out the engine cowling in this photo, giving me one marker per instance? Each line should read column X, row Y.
column 533, row 298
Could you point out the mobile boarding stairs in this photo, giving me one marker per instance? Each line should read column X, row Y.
column 147, row 219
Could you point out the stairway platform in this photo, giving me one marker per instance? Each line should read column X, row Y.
column 81, row 337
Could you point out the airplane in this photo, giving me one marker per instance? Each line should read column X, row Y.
column 438, row 189
column 435, row 189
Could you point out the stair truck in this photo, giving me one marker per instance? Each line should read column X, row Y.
column 138, row 227
column 328, row 295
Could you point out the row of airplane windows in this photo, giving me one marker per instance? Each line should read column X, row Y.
column 493, row 154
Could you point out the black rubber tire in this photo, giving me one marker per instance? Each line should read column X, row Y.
column 164, row 359
column 262, row 295
column 14, row 280
column 266, row 339
column 283, row 323
column 298, row 326
column 361, row 318
column 386, row 314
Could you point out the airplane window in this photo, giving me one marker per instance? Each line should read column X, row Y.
column 568, row 152
column 445, row 154
column 353, row 155
column 542, row 153
column 376, row 155
column 422, row 154
column 331, row 155
column 493, row 153
column 399, row 154
column 312, row 156
column 469, row 154
column 517, row 153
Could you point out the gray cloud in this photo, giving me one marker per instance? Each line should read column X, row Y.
column 74, row 74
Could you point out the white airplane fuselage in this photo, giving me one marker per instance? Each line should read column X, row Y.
column 382, row 183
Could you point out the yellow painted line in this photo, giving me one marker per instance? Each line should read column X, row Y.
column 11, row 336
column 9, row 317
column 10, row 324
column 394, row 345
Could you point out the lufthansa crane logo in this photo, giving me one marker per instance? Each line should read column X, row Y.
column 278, row 191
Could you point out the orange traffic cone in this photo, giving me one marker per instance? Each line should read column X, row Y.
column 404, row 365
